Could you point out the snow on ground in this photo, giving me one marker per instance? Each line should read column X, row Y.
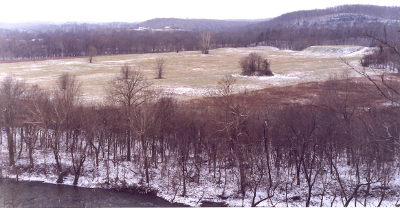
column 335, row 51
column 246, row 51
column 166, row 179
column 126, row 61
column 361, row 52
column 257, row 83
column 290, row 68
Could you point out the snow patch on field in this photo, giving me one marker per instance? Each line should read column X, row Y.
column 294, row 75
column 186, row 91
column 120, row 61
column 336, row 51
column 246, row 51
column 197, row 69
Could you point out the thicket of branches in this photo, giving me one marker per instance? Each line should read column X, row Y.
column 337, row 145
column 385, row 59
column 388, row 55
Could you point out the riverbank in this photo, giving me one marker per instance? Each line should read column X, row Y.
column 123, row 177
column 38, row 194
column 164, row 183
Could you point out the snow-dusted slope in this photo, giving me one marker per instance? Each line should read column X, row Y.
column 335, row 51
column 342, row 19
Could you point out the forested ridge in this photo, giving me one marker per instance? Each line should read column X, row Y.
column 341, row 25
column 196, row 24
column 390, row 13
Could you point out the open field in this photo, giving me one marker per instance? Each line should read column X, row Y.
column 192, row 74
column 233, row 150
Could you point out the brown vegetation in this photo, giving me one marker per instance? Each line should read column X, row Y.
column 309, row 130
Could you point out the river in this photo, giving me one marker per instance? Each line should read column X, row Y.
column 38, row 194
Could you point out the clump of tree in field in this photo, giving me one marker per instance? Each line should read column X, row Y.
column 384, row 58
column 255, row 64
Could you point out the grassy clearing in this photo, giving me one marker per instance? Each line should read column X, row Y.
column 188, row 74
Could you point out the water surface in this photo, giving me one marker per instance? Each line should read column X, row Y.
column 38, row 194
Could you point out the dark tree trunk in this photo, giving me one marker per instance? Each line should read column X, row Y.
column 128, row 147
column 10, row 140
column 242, row 173
column 78, row 169
column 21, row 142
column 30, row 153
column 58, row 165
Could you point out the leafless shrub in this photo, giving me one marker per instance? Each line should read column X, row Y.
column 160, row 66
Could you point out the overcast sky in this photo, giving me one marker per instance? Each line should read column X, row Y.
column 131, row 11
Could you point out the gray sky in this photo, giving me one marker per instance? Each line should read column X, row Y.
column 131, row 11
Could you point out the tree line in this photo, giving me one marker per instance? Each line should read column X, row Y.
column 75, row 43
column 337, row 145
column 343, row 25
column 17, row 45
column 299, row 37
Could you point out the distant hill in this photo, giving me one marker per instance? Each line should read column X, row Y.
column 341, row 25
column 196, row 24
column 158, row 23
column 345, row 13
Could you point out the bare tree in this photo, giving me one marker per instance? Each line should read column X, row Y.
column 205, row 41
column 92, row 51
column 37, row 104
column 164, row 111
column 83, row 121
column 160, row 66
column 144, row 128
column 129, row 89
column 66, row 96
column 231, row 121
column 68, row 89
column 11, row 95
